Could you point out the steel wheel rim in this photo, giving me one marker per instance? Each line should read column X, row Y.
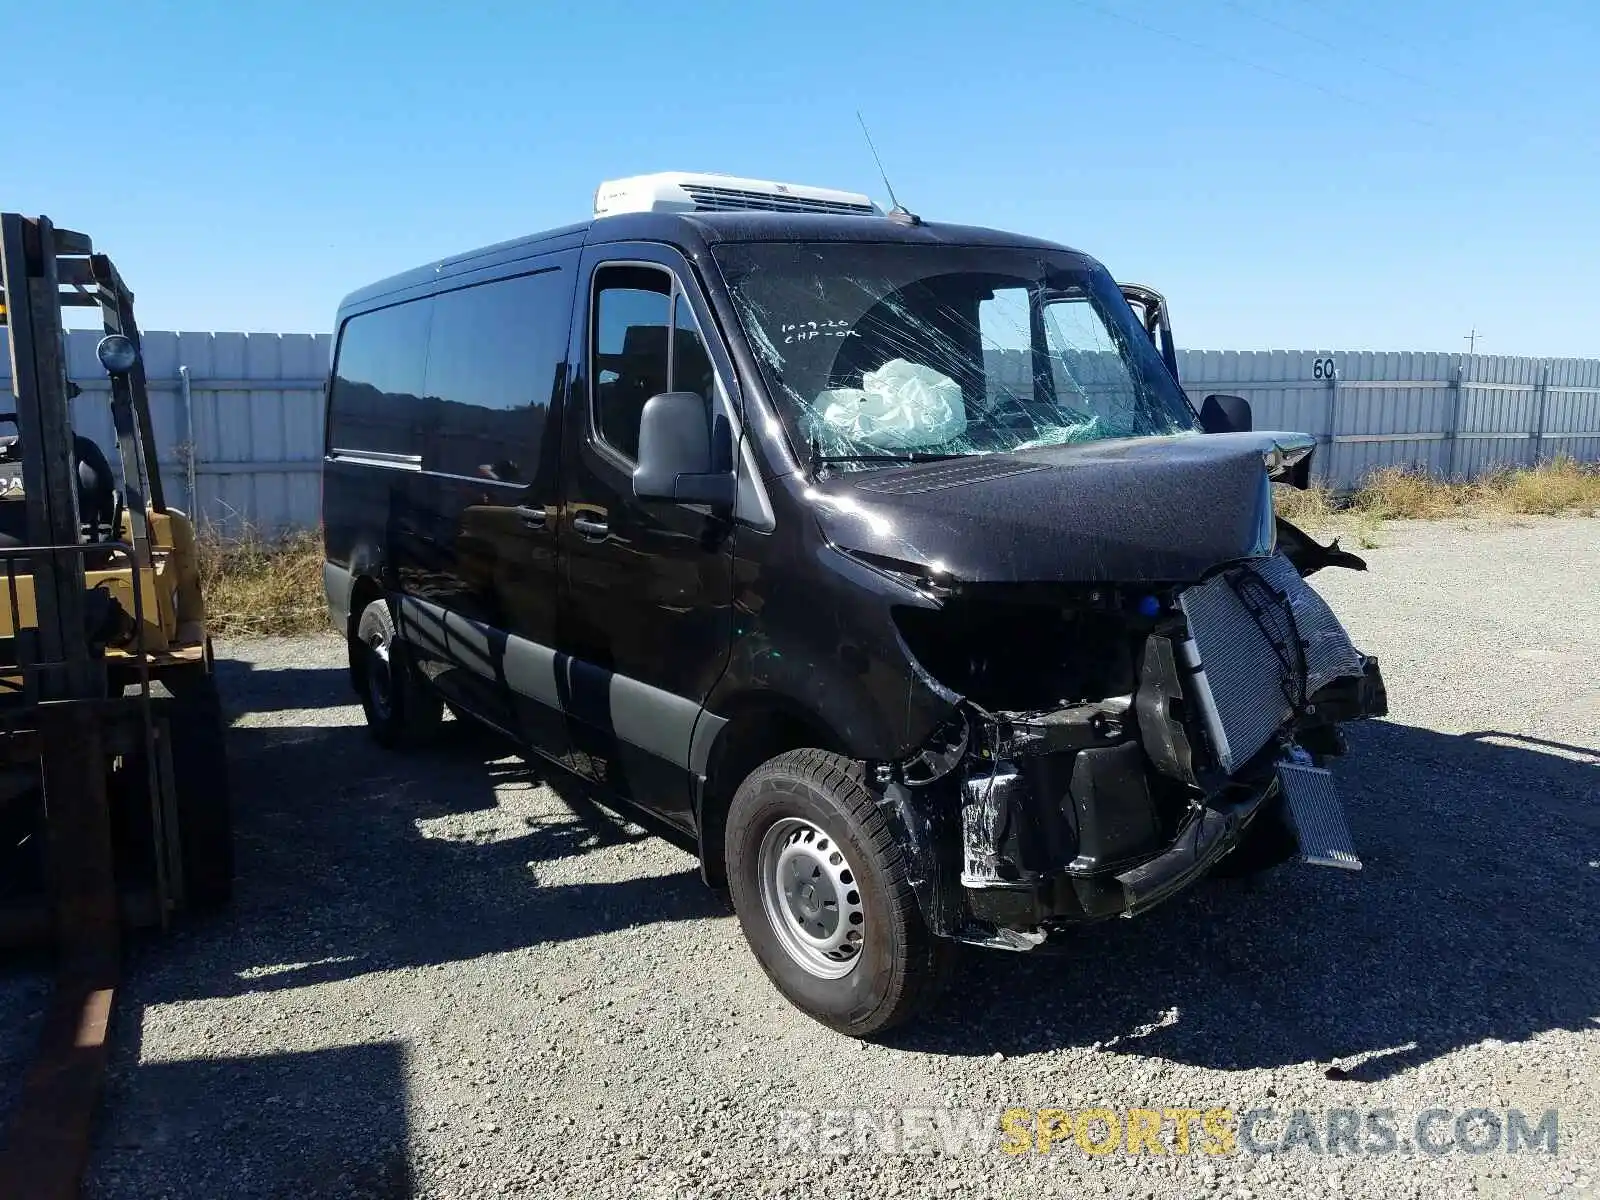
column 812, row 897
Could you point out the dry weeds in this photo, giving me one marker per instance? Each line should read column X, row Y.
column 257, row 584
column 1559, row 486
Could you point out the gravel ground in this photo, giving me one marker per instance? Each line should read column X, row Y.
column 24, row 992
column 446, row 975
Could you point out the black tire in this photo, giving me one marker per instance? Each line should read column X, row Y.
column 897, row 965
column 197, row 733
column 402, row 710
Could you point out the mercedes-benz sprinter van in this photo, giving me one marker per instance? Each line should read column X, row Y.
column 884, row 563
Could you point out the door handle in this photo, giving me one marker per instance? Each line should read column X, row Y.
column 591, row 528
column 533, row 518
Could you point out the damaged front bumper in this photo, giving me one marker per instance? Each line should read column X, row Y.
column 1016, row 825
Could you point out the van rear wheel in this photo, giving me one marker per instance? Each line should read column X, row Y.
column 822, row 896
column 402, row 710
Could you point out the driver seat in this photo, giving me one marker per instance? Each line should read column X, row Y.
column 97, row 493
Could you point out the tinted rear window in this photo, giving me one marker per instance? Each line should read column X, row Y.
column 495, row 359
column 463, row 380
column 378, row 383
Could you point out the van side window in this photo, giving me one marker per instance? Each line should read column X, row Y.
column 632, row 313
column 495, row 359
column 377, row 392
column 631, row 356
column 691, row 364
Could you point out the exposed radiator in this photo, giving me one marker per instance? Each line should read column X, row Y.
column 1261, row 642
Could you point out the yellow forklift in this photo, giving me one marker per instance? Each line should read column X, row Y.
column 114, row 808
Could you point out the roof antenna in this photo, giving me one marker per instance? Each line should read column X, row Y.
column 899, row 212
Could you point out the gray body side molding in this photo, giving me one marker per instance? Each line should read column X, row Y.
column 670, row 727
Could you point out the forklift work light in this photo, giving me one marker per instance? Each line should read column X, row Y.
column 116, row 353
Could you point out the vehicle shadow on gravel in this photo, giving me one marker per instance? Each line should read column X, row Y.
column 328, row 1122
column 1473, row 919
column 280, row 688
column 339, row 874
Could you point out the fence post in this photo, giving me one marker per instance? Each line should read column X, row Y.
column 1541, row 396
column 1456, row 384
column 1328, row 477
column 187, row 396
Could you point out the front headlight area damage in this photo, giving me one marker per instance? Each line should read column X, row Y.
column 1110, row 744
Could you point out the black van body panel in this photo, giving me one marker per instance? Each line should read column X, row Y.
column 630, row 642
column 813, row 627
column 1200, row 501
column 463, row 268
column 691, row 233
column 472, row 555
column 647, row 615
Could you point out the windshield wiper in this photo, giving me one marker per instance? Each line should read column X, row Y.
column 819, row 460
column 913, row 456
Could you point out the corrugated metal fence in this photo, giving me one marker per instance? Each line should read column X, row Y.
column 1457, row 415
column 246, row 411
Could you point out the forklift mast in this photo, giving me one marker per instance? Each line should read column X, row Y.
column 124, row 795
column 29, row 269
column 45, row 270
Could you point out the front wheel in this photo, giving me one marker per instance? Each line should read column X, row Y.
column 822, row 896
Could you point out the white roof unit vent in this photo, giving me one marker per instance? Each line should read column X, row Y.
column 679, row 191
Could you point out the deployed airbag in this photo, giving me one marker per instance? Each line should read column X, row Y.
column 901, row 406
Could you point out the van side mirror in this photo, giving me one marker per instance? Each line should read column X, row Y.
column 1226, row 414
column 684, row 457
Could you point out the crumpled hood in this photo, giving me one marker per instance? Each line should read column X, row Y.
column 1134, row 510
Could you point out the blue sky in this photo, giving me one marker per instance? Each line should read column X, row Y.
column 1316, row 174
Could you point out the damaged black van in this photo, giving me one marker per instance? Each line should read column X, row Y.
column 883, row 563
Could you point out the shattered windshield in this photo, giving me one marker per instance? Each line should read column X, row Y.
column 874, row 352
